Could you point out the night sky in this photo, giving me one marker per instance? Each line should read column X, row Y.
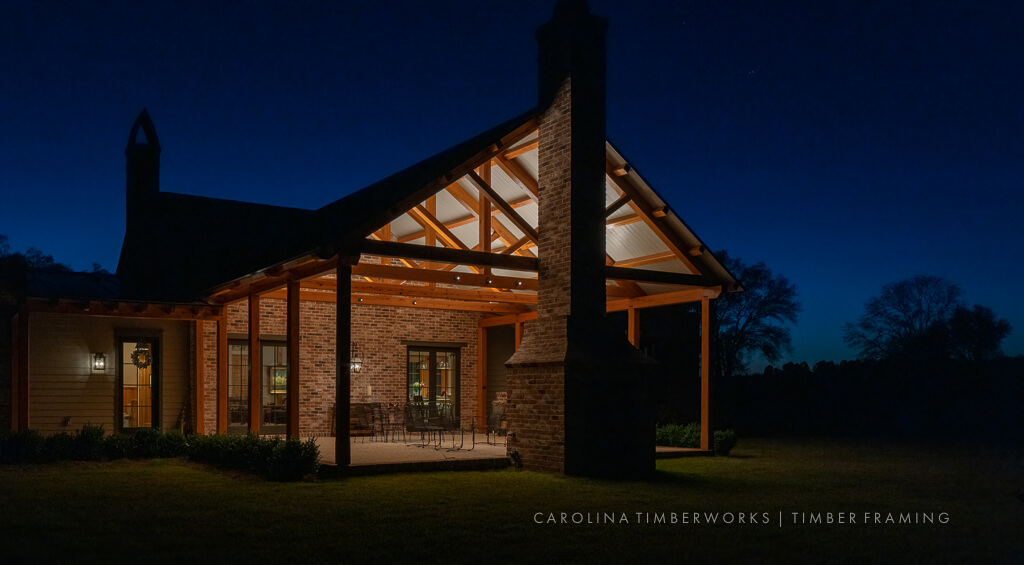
column 845, row 144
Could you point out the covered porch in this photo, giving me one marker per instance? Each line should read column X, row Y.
column 440, row 292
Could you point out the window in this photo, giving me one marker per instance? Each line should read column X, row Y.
column 274, row 382
column 238, row 387
column 433, row 377
column 138, row 377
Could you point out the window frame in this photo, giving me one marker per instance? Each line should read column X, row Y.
column 155, row 339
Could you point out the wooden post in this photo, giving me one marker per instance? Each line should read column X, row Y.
column 199, row 361
column 255, row 365
column 519, row 334
column 292, row 408
column 343, row 380
column 481, row 378
column 485, row 215
column 23, row 349
column 19, row 371
column 222, row 373
column 634, row 326
column 705, row 373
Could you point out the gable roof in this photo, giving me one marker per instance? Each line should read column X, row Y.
column 192, row 243
column 189, row 243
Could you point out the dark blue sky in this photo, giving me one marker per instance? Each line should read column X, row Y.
column 846, row 144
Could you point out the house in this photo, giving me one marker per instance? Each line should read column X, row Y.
column 480, row 274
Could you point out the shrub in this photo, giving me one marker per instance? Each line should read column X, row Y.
column 88, row 443
column 58, row 447
column 171, row 443
column 725, row 440
column 289, row 460
column 292, row 460
column 117, row 446
column 22, row 447
column 144, row 443
column 677, row 435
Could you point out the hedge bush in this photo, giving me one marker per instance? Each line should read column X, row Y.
column 277, row 459
column 725, row 440
column 677, row 435
column 274, row 458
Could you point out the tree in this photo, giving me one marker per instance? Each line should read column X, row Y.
column 908, row 318
column 755, row 320
column 975, row 334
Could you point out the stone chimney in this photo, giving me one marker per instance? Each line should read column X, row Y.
column 574, row 390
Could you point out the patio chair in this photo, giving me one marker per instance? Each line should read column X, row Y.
column 424, row 420
column 378, row 422
column 395, row 421
column 497, row 424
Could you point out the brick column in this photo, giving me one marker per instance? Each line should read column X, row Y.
column 574, row 392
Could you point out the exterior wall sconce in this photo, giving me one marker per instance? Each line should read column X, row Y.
column 355, row 362
column 99, row 363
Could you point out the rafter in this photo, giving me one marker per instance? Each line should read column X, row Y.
column 622, row 221
column 431, row 223
column 646, row 259
column 518, row 176
column 614, row 206
column 522, row 149
column 658, row 277
column 468, row 219
column 510, row 213
column 651, row 215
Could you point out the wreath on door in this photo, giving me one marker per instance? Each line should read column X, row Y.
column 142, row 357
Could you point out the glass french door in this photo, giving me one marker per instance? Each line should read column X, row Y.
column 137, row 387
column 274, row 385
column 433, row 378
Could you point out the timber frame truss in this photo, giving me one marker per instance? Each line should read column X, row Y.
column 469, row 243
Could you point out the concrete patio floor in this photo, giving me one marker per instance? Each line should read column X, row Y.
column 368, row 452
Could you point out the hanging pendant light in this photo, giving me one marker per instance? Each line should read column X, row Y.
column 355, row 361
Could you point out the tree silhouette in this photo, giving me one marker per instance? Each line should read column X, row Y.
column 907, row 318
column 975, row 334
column 755, row 320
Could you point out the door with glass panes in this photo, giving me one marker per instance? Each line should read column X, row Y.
column 433, row 377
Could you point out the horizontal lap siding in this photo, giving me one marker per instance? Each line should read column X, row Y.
column 61, row 381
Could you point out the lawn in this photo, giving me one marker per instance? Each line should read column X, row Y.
column 176, row 511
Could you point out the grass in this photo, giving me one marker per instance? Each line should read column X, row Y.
column 175, row 511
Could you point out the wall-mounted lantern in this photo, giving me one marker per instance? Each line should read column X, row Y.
column 355, row 362
column 99, row 363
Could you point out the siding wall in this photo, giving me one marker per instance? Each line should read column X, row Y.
column 61, row 381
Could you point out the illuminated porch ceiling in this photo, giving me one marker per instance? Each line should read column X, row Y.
column 470, row 243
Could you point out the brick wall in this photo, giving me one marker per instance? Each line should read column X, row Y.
column 209, row 331
column 377, row 331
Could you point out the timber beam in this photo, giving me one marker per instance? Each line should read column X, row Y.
column 466, row 279
column 408, row 302
column 660, row 277
column 125, row 309
column 499, row 202
column 447, row 255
